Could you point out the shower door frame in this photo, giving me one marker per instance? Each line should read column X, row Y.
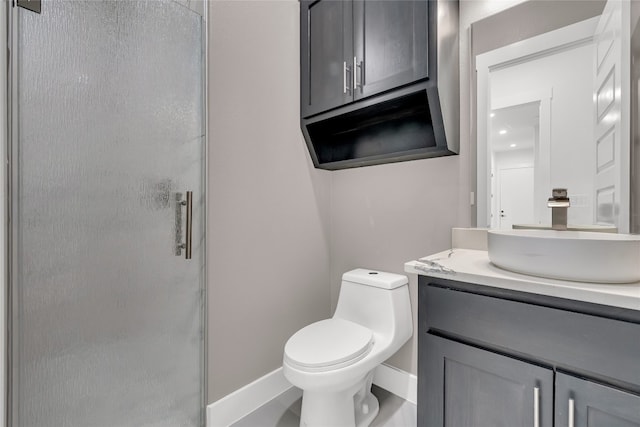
column 5, row 119
column 9, row 181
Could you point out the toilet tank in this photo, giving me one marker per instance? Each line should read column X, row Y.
column 376, row 300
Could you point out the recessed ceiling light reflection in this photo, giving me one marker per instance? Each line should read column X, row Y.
column 502, row 131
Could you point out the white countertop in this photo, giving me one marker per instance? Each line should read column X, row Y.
column 473, row 266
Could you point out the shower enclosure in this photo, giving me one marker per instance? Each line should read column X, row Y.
column 106, row 215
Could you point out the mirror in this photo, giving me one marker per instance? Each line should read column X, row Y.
column 550, row 112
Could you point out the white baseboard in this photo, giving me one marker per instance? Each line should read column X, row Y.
column 242, row 402
column 399, row 382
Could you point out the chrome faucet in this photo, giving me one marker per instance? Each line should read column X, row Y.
column 559, row 204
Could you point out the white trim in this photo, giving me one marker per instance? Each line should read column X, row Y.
column 519, row 98
column 541, row 45
column 399, row 382
column 242, row 402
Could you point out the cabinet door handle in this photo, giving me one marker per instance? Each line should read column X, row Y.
column 355, row 79
column 356, row 65
column 345, row 87
column 536, row 407
column 571, row 413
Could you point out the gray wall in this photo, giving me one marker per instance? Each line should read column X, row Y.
column 268, row 227
column 530, row 18
column 383, row 216
column 281, row 233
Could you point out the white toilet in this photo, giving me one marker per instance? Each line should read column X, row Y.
column 333, row 360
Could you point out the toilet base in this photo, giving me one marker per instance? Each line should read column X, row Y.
column 354, row 407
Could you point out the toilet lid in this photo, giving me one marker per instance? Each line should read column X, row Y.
column 328, row 343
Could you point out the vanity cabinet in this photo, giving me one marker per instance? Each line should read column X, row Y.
column 581, row 402
column 481, row 388
column 351, row 50
column 496, row 357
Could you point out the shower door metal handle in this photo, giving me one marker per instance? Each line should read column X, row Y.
column 188, row 224
column 189, row 204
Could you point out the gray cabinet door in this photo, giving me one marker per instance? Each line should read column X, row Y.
column 464, row 386
column 390, row 44
column 326, row 37
column 594, row 405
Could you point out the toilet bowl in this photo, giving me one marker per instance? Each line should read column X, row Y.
column 333, row 360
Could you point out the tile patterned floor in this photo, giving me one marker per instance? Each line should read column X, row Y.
column 284, row 411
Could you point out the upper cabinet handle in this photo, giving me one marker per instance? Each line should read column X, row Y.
column 355, row 75
column 357, row 65
column 345, row 87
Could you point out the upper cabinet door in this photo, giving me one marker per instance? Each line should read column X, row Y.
column 326, row 39
column 390, row 44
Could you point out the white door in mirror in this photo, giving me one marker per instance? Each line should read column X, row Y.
column 611, row 116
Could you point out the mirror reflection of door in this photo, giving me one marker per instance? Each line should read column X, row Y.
column 610, row 170
column 515, row 196
column 513, row 141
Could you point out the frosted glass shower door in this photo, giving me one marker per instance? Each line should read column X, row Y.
column 106, row 319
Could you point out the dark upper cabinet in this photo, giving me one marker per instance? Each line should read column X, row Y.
column 326, row 70
column 389, row 44
column 355, row 49
column 369, row 87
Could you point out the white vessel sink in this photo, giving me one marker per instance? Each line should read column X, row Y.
column 567, row 255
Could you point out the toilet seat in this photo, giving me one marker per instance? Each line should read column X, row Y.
column 328, row 344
